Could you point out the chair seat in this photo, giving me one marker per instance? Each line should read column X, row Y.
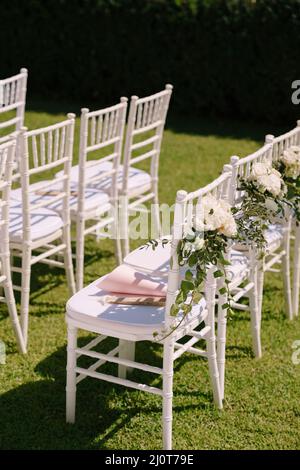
column 88, row 307
column 157, row 261
column 95, row 201
column 43, row 223
column 139, row 181
column 273, row 236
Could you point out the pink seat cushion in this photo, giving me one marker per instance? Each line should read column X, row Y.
column 126, row 280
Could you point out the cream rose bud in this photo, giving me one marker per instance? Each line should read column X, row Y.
column 188, row 246
column 198, row 243
column 276, row 173
column 271, row 205
column 199, row 224
column 189, row 234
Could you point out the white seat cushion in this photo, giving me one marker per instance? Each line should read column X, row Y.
column 149, row 260
column 157, row 260
column 43, row 223
column 273, row 236
column 88, row 306
column 138, row 180
column 95, row 201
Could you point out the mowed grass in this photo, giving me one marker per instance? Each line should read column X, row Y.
column 262, row 406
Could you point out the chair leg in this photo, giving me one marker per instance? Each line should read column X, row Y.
column 68, row 260
column 296, row 272
column 80, row 225
column 25, row 290
column 11, row 304
column 221, row 341
column 210, row 289
column 258, row 279
column 213, row 370
column 71, row 375
column 167, row 394
column 126, row 351
column 286, row 275
column 256, row 273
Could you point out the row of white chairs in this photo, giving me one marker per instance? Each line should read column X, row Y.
column 95, row 194
column 90, row 310
column 74, row 195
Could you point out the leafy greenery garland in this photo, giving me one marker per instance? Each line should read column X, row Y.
column 293, row 189
column 256, row 212
column 253, row 216
column 213, row 252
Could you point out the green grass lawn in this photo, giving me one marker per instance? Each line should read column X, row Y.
column 262, row 406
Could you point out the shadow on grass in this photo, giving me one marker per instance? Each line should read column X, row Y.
column 46, row 278
column 33, row 415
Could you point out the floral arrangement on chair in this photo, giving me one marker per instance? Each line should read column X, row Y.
column 264, row 201
column 203, row 245
column 289, row 167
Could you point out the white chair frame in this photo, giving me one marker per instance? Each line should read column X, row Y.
column 7, row 157
column 52, row 147
column 254, row 290
column 13, row 98
column 145, row 115
column 280, row 144
column 98, row 130
column 123, row 355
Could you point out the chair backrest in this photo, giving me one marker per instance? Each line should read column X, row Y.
column 13, row 98
column 187, row 206
column 100, row 130
column 146, row 116
column 242, row 168
column 7, row 155
column 42, row 151
column 284, row 141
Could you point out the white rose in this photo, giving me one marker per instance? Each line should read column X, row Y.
column 271, row 183
column 288, row 157
column 198, row 243
column 189, row 234
column 295, row 149
column 259, row 169
column 229, row 228
column 199, row 223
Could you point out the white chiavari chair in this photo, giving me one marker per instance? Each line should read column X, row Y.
column 281, row 143
column 36, row 232
column 7, row 151
column 146, row 122
column 96, row 181
column 277, row 238
column 13, row 99
column 90, row 311
column 100, row 130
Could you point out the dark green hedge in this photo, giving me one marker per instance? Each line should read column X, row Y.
column 224, row 57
